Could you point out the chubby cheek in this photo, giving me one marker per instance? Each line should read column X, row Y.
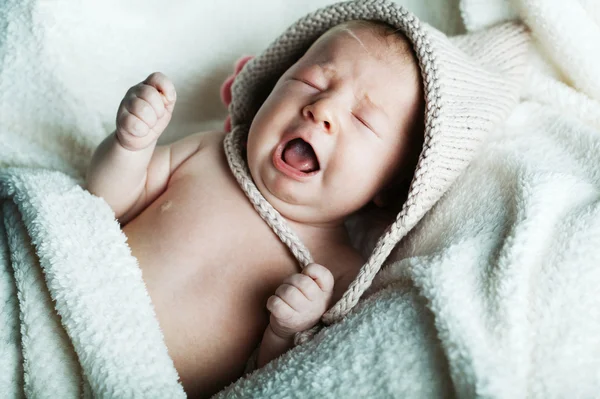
column 274, row 116
column 262, row 137
column 344, row 202
column 354, row 186
column 272, row 120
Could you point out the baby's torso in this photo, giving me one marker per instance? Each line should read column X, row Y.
column 209, row 263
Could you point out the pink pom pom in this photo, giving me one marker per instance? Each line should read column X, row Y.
column 241, row 62
column 226, row 90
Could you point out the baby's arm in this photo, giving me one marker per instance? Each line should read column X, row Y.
column 128, row 170
column 297, row 305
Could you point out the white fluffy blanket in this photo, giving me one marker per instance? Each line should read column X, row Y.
column 493, row 295
column 75, row 317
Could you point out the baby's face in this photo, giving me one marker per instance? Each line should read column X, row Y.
column 335, row 129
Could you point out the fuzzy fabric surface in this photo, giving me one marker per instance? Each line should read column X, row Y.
column 75, row 317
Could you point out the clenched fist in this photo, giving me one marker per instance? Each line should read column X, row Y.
column 300, row 300
column 145, row 112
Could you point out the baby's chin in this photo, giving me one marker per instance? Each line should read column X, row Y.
column 307, row 214
column 288, row 204
column 311, row 217
column 292, row 208
column 303, row 203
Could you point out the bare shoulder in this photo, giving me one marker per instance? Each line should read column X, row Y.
column 213, row 136
column 196, row 141
column 187, row 147
column 165, row 162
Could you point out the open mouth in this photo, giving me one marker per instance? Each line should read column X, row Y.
column 300, row 155
column 296, row 159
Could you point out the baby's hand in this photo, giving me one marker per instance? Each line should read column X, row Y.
column 145, row 112
column 300, row 300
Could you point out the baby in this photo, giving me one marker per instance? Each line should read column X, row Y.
column 335, row 134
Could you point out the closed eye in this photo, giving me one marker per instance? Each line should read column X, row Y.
column 306, row 82
column 361, row 120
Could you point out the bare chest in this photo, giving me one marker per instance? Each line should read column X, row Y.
column 209, row 263
column 203, row 221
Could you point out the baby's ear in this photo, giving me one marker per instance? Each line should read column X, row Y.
column 393, row 196
column 379, row 200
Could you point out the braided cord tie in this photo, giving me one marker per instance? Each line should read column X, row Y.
column 233, row 150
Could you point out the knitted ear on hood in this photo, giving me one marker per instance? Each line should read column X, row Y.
column 471, row 83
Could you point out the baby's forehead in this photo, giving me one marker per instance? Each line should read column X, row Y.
column 388, row 78
column 379, row 40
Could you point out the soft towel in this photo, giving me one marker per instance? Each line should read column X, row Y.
column 75, row 317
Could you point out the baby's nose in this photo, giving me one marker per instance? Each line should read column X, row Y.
column 310, row 115
column 320, row 116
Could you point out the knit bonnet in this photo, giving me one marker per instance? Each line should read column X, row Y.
column 470, row 84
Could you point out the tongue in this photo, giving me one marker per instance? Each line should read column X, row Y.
column 300, row 155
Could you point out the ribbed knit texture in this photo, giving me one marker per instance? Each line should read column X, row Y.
column 470, row 85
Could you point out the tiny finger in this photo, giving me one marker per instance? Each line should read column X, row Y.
column 163, row 84
column 151, row 96
column 309, row 287
column 131, row 124
column 292, row 296
column 143, row 110
column 279, row 308
column 321, row 275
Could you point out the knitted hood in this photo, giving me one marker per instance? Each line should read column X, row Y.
column 470, row 84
